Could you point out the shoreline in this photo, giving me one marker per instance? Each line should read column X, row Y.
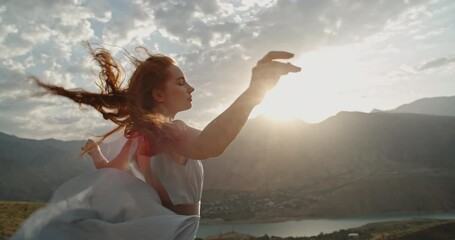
column 265, row 220
column 205, row 221
column 415, row 228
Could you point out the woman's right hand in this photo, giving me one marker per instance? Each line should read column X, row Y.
column 91, row 147
column 267, row 72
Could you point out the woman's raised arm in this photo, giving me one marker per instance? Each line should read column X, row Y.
column 213, row 140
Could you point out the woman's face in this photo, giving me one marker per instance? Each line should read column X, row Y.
column 176, row 94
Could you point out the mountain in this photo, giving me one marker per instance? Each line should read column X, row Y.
column 350, row 143
column 353, row 163
column 444, row 106
column 33, row 169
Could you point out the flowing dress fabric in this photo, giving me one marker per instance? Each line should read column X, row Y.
column 114, row 204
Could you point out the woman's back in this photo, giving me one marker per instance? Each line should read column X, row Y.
column 183, row 182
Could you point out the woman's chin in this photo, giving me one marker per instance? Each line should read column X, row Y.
column 189, row 106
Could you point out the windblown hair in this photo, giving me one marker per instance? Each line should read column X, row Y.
column 130, row 107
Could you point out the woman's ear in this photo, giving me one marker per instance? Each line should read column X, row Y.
column 158, row 95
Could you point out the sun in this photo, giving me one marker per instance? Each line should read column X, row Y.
column 320, row 90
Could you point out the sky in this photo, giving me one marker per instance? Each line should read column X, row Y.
column 355, row 55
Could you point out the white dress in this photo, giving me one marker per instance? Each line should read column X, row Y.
column 114, row 204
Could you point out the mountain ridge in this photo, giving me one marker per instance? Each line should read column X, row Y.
column 441, row 105
column 349, row 153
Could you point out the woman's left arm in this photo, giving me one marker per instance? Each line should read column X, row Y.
column 219, row 133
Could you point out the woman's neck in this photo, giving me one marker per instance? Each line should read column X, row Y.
column 164, row 112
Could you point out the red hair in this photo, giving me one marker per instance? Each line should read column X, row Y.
column 130, row 108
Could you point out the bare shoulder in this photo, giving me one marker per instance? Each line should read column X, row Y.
column 182, row 131
column 177, row 124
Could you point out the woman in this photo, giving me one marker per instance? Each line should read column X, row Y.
column 112, row 203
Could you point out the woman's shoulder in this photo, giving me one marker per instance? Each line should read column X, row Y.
column 182, row 131
column 178, row 124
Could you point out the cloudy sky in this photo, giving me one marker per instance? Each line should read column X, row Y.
column 356, row 55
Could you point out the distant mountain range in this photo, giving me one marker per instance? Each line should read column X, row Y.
column 268, row 155
column 353, row 163
column 444, row 106
column 33, row 169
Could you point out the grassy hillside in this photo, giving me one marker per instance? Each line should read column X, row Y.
column 12, row 214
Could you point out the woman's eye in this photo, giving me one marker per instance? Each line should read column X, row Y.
column 181, row 82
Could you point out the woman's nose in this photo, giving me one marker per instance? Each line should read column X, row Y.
column 190, row 89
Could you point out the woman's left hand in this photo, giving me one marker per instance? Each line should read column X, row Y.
column 267, row 72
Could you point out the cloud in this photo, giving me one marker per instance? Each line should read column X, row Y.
column 429, row 34
column 132, row 24
column 307, row 25
column 422, row 69
column 215, row 42
column 436, row 63
column 69, row 21
column 185, row 20
column 66, row 123
column 13, row 82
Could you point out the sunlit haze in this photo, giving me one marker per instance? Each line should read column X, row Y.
column 320, row 90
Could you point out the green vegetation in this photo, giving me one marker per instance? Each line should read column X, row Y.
column 12, row 214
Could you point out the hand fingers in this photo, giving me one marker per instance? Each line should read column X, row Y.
column 293, row 68
column 275, row 55
column 281, row 68
column 88, row 145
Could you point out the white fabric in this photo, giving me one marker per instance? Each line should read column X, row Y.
column 114, row 204
column 182, row 185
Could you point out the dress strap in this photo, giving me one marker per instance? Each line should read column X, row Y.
column 151, row 178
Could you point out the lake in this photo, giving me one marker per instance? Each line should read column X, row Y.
column 310, row 227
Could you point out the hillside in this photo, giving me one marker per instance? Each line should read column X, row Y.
column 351, row 164
column 12, row 214
column 348, row 144
column 32, row 169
